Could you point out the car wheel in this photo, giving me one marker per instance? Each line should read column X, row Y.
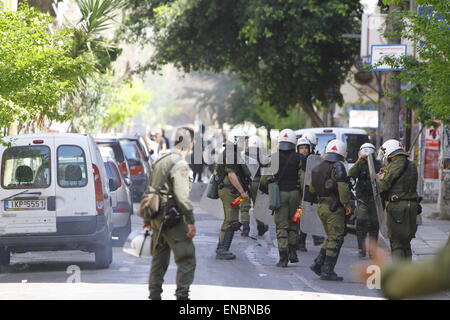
column 103, row 255
column 5, row 257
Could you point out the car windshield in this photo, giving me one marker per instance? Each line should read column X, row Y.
column 354, row 142
column 26, row 167
column 322, row 141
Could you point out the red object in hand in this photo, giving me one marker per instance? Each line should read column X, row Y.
column 297, row 215
column 236, row 202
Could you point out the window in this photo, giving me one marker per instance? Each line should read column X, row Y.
column 72, row 169
column 322, row 141
column 354, row 142
column 26, row 167
column 131, row 151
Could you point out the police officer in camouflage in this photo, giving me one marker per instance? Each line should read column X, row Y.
column 398, row 186
column 366, row 212
column 234, row 181
column 329, row 182
column 178, row 236
column 306, row 146
column 254, row 152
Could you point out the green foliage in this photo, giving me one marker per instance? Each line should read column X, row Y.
column 35, row 66
column 125, row 102
column 428, row 89
column 292, row 51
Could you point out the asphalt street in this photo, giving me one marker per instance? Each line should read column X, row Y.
column 253, row 275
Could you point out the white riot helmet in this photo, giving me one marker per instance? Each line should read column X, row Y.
column 287, row 139
column 391, row 148
column 367, row 149
column 255, row 142
column 138, row 244
column 336, row 150
column 311, row 137
column 235, row 134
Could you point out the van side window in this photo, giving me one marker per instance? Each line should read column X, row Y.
column 26, row 167
column 72, row 169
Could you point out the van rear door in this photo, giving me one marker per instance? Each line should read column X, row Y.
column 27, row 201
column 74, row 181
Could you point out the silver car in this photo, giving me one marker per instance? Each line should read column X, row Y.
column 121, row 200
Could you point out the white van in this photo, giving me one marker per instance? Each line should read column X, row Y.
column 54, row 195
column 354, row 138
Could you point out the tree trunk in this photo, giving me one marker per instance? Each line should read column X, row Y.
column 307, row 106
column 444, row 174
column 391, row 101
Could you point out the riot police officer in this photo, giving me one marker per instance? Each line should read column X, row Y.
column 366, row 212
column 306, row 145
column 234, row 181
column 287, row 178
column 172, row 171
column 254, row 153
column 398, row 186
column 329, row 182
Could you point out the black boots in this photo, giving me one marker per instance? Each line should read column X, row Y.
column 316, row 267
column 292, row 254
column 361, row 237
column 327, row 272
column 301, row 245
column 283, row 259
column 245, row 229
column 262, row 229
column 318, row 240
column 222, row 251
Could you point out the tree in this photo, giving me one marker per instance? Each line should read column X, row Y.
column 36, row 67
column 291, row 50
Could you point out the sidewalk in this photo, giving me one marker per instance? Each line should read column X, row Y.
column 431, row 235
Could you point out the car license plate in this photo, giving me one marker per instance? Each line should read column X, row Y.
column 19, row 205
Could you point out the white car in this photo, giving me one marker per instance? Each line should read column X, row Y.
column 354, row 138
column 54, row 196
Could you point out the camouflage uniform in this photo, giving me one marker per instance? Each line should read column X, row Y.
column 333, row 221
column 398, row 187
column 174, row 192
column 406, row 280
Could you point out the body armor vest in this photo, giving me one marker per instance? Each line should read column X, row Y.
column 287, row 175
column 320, row 174
column 364, row 186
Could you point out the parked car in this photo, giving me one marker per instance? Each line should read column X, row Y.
column 139, row 163
column 54, row 196
column 122, row 205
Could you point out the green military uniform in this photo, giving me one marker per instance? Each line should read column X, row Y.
column 406, row 279
column 398, row 187
column 366, row 211
column 174, row 192
column 333, row 221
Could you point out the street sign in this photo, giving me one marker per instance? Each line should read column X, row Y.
column 378, row 52
column 10, row 5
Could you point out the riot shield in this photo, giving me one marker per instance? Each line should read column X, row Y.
column 212, row 206
column 261, row 208
column 376, row 194
column 310, row 221
column 252, row 166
